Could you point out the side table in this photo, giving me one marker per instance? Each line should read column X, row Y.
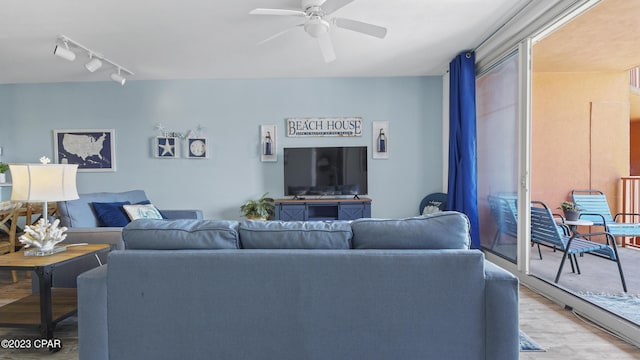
column 51, row 305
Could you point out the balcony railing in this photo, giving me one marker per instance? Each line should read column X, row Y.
column 631, row 204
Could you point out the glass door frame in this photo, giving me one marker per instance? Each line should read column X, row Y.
column 624, row 329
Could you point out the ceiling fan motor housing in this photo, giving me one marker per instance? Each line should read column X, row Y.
column 311, row 3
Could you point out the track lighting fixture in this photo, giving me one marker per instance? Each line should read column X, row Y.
column 66, row 51
column 118, row 78
column 93, row 64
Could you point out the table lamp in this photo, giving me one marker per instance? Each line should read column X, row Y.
column 43, row 183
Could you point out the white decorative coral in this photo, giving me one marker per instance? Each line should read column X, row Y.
column 43, row 235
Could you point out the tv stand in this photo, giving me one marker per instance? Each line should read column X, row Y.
column 322, row 209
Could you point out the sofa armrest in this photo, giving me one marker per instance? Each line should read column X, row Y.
column 182, row 214
column 501, row 309
column 96, row 235
column 93, row 342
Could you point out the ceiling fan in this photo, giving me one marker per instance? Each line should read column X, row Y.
column 317, row 23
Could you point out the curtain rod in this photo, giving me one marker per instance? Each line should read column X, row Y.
column 525, row 6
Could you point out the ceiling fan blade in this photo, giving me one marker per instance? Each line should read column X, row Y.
column 279, row 34
column 280, row 12
column 361, row 27
column 326, row 47
column 330, row 6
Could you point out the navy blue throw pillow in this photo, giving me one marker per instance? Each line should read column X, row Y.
column 111, row 214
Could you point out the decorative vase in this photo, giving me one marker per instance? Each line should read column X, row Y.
column 256, row 218
column 3, row 178
column 571, row 215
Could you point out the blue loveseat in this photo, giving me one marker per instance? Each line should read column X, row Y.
column 80, row 217
column 367, row 289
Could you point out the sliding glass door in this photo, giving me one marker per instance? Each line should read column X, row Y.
column 497, row 144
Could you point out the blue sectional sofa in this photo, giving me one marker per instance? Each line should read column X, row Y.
column 367, row 289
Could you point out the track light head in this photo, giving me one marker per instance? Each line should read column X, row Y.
column 118, row 78
column 64, row 52
column 93, row 65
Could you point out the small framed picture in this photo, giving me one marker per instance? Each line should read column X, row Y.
column 197, row 148
column 165, row 147
column 92, row 149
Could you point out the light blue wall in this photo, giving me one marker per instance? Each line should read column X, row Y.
column 231, row 112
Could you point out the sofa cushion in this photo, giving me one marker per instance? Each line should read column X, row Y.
column 295, row 235
column 111, row 214
column 444, row 230
column 180, row 234
column 79, row 213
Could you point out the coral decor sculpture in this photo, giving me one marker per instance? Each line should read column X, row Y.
column 43, row 235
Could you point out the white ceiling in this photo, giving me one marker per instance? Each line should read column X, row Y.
column 199, row 39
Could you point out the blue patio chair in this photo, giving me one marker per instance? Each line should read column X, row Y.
column 432, row 201
column 593, row 206
column 545, row 230
column 504, row 211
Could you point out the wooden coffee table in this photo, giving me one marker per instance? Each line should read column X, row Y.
column 51, row 305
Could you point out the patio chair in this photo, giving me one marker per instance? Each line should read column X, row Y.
column 504, row 212
column 433, row 203
column 593, row 206
column 545, row 230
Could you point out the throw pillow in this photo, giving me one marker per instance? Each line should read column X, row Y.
column 111, row 214
column 146, row 202
column 146, row 211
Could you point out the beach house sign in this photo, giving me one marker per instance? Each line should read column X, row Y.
column 344, row 126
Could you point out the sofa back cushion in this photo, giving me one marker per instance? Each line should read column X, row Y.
column 180, row 234
column 79, row 213
column 444, row 230
column 295, row 235
column 297, row 304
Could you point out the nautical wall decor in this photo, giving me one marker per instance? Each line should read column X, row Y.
column 268, row 148
column 380, row 137
column 342, row 126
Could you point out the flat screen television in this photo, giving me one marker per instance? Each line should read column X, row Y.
column 325, row 171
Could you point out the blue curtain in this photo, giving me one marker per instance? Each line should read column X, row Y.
column 463, row 180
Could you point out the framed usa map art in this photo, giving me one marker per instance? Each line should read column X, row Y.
column 92, row 149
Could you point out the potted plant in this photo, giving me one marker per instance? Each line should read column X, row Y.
column 570, row 209
column 260, row 209
column 3, row 169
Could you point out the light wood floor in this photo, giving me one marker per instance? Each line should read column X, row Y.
column 561, row 333
column 564, row 335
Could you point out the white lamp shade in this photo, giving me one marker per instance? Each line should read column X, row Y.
column 43, row 182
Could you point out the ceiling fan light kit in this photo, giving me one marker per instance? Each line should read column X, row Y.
column 95, row 59
column 316, row 27
column 318, row 23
